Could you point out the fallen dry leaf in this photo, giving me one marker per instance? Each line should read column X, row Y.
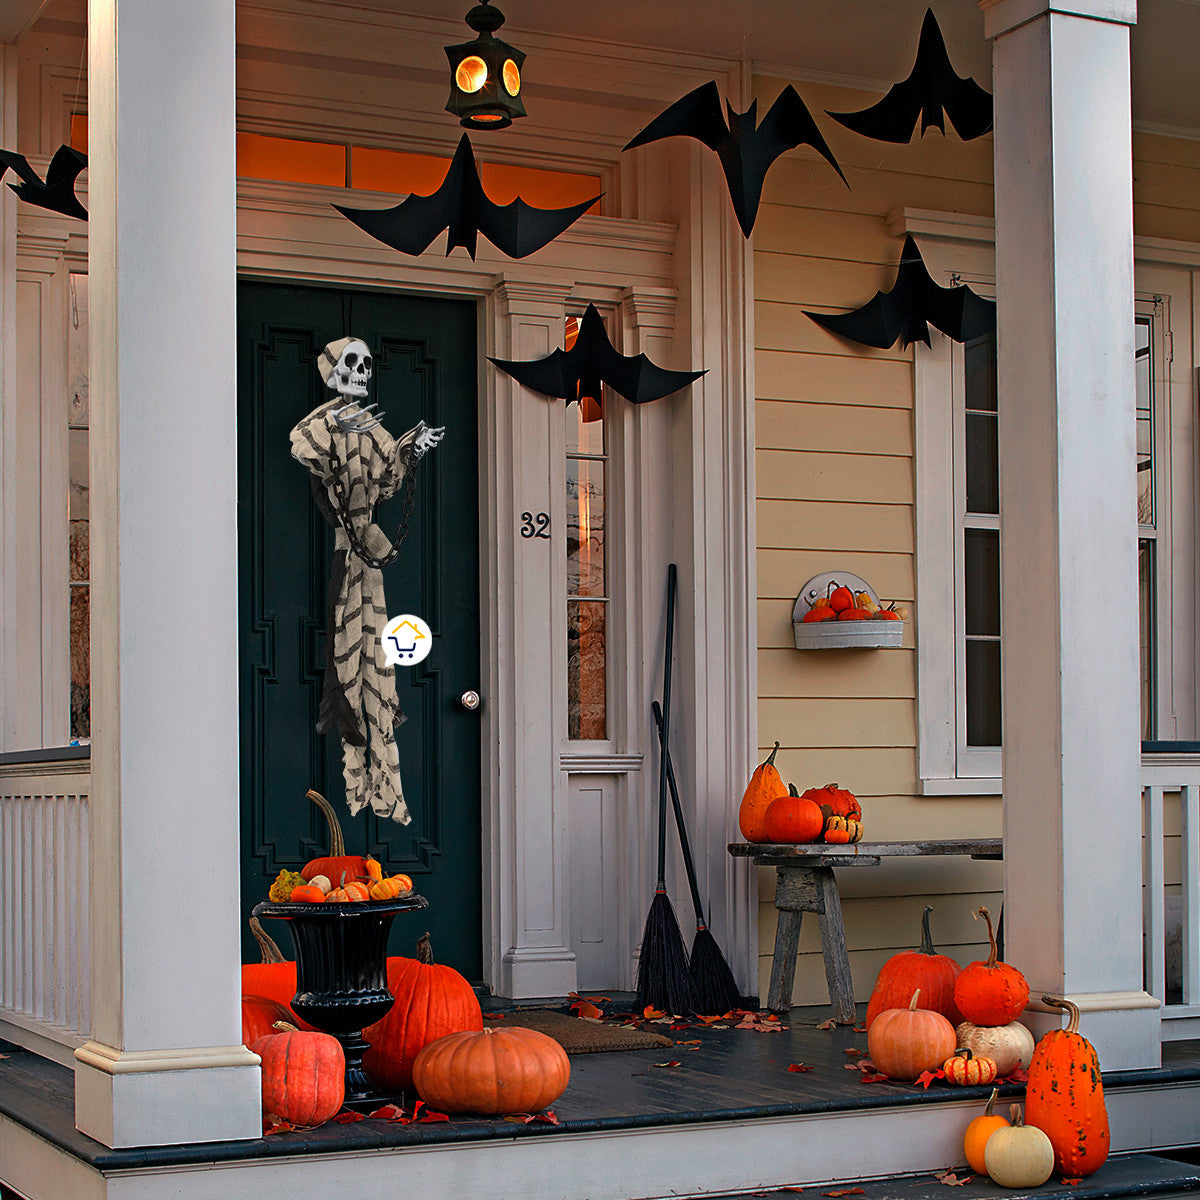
column 827, row 1024
column 348, row 1117
column 673, row 1063
column 791, row 1187
column 692, row 1045
column 850, row 1067
column 652, row 1014
column 852, row 1052
column 389, row 1112
column 1016, row 1075
column 587, row 1010
column 865, row 1078
column 799, row 1067
column 496, row 1016
column 952, row 1180
column 273, row 1124
column 845, row 1192
column 1071, row 1182
column 927, row 1077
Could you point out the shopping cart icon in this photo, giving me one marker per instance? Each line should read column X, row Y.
column 406, row 640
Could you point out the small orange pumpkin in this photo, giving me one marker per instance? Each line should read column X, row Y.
column 390, row 888
column 1064, row 1097
column 765, row 787
column 824, row 613
column 791, row 818
column 840, row 830
column 979, row 1130
column 492, row 1071
column 307, row 893
column 905, row 1042
column 964, row 1069
column 992, row 992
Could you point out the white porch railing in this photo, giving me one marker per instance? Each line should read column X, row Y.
column 44, row 985
column 1171, row 895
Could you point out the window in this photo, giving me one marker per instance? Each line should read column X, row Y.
column 958, row 585
column 79, row 571
column 587, row 597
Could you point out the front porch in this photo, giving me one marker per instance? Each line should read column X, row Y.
column 730, row 1118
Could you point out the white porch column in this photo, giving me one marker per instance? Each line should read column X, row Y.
column 1064, row 267
column 165, row 1063
column 526, row 829
column 9, row 646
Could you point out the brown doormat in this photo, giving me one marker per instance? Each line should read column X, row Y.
column 579, row 1036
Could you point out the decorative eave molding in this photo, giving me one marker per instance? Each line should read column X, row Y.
column 967, row 227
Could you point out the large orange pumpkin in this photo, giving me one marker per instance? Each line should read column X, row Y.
column 992, row 992
column 791, row 818
column 904, row 1042
column 431, row 1001
column 303, row 1075
column 1064, row 1097
column 494, row 1071
column 259, row 1014
column 765, row 787
column 274, row 977
column 922, row 968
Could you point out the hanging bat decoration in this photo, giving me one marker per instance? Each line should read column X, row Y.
column 746, row 151
column 574, row 374
column 461, row 206
column 57, row 191
column 914, row 303
column 931, row 90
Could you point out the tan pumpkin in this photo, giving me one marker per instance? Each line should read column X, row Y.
column 1020, row 1156
column 1008, row 1046
column 905, row 1042
column 765, row 787
column 492, row 1071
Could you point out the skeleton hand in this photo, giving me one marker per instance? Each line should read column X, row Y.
column 427, row 438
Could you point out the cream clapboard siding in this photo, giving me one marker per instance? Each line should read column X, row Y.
column 835, row 489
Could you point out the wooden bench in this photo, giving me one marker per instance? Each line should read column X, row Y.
column 806, row 883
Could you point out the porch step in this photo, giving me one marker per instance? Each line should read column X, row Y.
column 1122, row 1175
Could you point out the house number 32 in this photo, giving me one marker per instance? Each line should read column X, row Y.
column 535, row 525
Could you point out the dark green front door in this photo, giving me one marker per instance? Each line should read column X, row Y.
column 424, row 369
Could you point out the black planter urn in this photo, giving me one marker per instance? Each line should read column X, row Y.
column 341, row 972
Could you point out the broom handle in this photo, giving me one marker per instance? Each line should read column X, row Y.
column 666, row 711
column 683, row 837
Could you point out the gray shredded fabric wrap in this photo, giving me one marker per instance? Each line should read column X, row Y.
column 359, row 699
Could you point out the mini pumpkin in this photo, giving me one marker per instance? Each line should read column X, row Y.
column 390, row 888
column 836, row 801
column 303, row 1074
column 841, row 830
column 922, row 968
column 1019, row 1156
column 492, row 1071
column 992, row 992
column 1010, row 1046
column 1064, row 1096
column 964, row 1069
column 978, row 1132
column 905, row 1042
column 307, row 893
column 765, row 786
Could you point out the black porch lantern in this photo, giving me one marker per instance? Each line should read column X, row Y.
column 485, row 74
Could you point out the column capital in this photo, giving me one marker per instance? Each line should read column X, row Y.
column 1003, row 16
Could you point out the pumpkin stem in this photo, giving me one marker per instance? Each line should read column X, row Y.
column 912, row 1007
column 285, row 1027
column 266, row 943
column 424, row 950
column 926, row 946
column 1015, row 1113
column 771, row 757
column 792, row 791
column 987, row 1112
column 337, row 845
column 1071, row 1008
column 983, row 912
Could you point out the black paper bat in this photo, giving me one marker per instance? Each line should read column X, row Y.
column 57, row 193
column 931, row 89
column 746, row 152
column 914, row 303
column 578, row 372
column 461, row 206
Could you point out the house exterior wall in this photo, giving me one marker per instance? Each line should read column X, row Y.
column 836, row 490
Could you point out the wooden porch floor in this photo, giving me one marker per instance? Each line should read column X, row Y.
column 732, row 1096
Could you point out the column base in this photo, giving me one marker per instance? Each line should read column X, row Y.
column 533, row 971
column 167, row 1097
column 1125, row 1027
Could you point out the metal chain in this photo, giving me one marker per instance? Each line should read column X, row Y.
column 341, row 507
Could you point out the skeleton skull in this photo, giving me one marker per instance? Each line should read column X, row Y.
column 352, row 371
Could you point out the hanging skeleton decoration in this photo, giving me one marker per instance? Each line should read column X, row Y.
column 355, row 463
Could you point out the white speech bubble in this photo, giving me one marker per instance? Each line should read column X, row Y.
column 407, row 640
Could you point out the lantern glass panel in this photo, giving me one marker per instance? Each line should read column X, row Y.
column 511, row 76
column 472, row 74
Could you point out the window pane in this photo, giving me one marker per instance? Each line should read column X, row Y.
column 79, row 569
column 1147, row 637
column 980, row 365
column 585, row 668
column 585, row 527
column 981, row 555
column 1145, row 420
column 585, row 428
column 983, row 693
column 983, row 464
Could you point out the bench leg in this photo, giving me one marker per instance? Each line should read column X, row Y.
column 783, row 967
column 833, row 946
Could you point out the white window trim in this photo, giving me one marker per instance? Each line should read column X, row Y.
column 967, row 242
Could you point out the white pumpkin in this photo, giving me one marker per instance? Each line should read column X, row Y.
column 1008, row 1046
column 1020, row 1156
